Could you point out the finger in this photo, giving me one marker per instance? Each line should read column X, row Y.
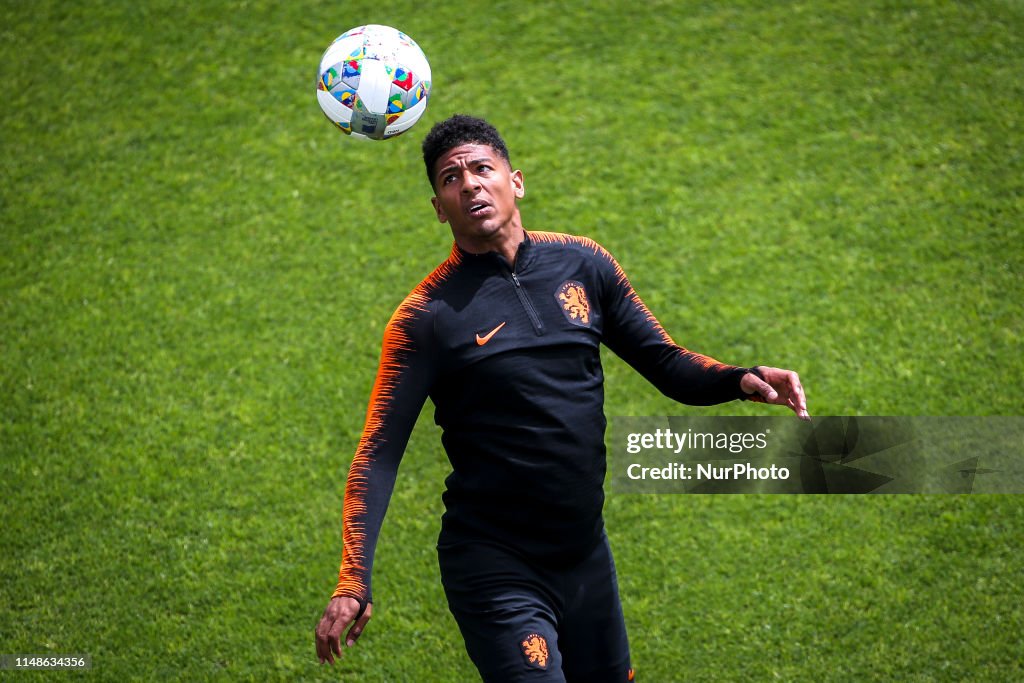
column 795, row 387
column 800, row 398
column 318, row 639
column 798, row 406
column 357, row 628
column 757, row 389
column 766, row 390
column 803, row 413
column 323, row 650
column 334, row 635
column 329, row 634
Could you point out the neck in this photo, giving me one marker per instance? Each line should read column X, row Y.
column 505, row 242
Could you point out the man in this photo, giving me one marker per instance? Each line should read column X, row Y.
column 504, row 337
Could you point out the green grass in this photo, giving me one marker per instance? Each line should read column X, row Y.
column 195, row 270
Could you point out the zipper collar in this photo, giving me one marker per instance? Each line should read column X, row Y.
column 492, row 261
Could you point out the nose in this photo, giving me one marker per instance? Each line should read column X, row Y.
column 469, row 182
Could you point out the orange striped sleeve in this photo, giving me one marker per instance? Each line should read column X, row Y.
column 399, row 391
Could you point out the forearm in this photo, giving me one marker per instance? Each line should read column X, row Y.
column 403, row 378
column 368, row 490
column 689, row 377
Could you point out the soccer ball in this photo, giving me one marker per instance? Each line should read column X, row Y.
column 373, row 82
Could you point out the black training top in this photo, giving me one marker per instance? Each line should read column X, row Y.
column 509, row 357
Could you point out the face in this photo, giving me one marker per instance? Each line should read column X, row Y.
column 476, row 193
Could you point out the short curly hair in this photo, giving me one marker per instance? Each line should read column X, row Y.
column 456, row 130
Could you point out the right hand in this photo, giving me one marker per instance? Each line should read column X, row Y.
column 340, row 612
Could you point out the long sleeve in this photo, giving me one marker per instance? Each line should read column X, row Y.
column 399, row 391
column 635, row 335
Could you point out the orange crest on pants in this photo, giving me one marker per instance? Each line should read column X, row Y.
column 536, row 650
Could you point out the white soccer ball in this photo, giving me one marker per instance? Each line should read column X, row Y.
column 373, row 82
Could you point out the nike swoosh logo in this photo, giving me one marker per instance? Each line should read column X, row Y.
column 480, row 341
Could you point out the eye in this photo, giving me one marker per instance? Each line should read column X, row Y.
column 448, row 178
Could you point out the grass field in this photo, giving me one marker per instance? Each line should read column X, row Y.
column 195, row 271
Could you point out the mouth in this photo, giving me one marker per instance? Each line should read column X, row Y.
column 478, row 209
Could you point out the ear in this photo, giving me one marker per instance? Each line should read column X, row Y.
column 517, row 184
column 441, row 215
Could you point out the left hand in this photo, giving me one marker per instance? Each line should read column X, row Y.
column 779, row 387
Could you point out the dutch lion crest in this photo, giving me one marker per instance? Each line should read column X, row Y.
column 535, row 649
column 572, row 298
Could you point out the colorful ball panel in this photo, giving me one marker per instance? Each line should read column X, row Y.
column 374, row 82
